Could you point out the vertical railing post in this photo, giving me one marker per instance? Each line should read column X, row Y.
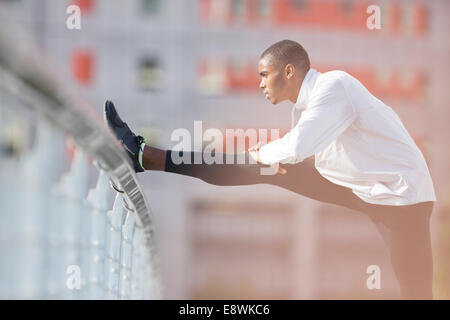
column 98, row 201
column 113, row 245
column 126, row 255
column 137, row 266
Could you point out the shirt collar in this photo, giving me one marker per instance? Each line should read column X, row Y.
column 306, row 89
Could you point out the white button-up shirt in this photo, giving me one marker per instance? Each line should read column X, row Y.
column 358, row 142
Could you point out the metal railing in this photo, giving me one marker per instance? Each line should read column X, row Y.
column 60, row 239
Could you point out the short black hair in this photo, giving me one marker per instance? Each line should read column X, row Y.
column 288, row 51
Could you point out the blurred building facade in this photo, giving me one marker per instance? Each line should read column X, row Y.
column 169, row 63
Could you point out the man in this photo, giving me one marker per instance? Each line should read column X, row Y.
column 364, row 160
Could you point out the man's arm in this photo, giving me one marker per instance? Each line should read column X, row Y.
column 329, row 113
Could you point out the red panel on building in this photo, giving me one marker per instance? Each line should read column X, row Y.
column 323, row 14
column 82, row 65
column 420, row 19
column 86, row 6
column 395, row 18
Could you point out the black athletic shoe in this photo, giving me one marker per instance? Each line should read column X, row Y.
column 134, row 145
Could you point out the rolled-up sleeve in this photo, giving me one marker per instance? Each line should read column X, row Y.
column 328, row 114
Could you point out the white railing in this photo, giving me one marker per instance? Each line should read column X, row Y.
column 59, row 239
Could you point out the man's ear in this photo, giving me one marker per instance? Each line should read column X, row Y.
column 289, row 70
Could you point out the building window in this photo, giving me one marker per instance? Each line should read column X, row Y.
column 264, row 8
column 299, row 4
column 151, row 7
column 150, row 74
column 212, row 77
column 347, row 6
column 238, row 7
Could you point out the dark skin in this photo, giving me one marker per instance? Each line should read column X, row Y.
column 154, row 158
column 279, row 83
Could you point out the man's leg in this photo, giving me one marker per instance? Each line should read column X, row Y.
column 301, row 178
column 406, row 231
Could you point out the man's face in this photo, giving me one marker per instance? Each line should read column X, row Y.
column 273, row 81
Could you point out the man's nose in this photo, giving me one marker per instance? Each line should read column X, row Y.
column 262, row 84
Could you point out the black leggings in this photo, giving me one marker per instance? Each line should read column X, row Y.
column 405, row 229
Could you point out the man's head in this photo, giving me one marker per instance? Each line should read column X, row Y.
column 282, row 68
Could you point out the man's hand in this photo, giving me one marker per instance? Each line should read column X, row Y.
column 254, row 153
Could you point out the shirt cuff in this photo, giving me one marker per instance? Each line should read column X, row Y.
column 264, row 156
